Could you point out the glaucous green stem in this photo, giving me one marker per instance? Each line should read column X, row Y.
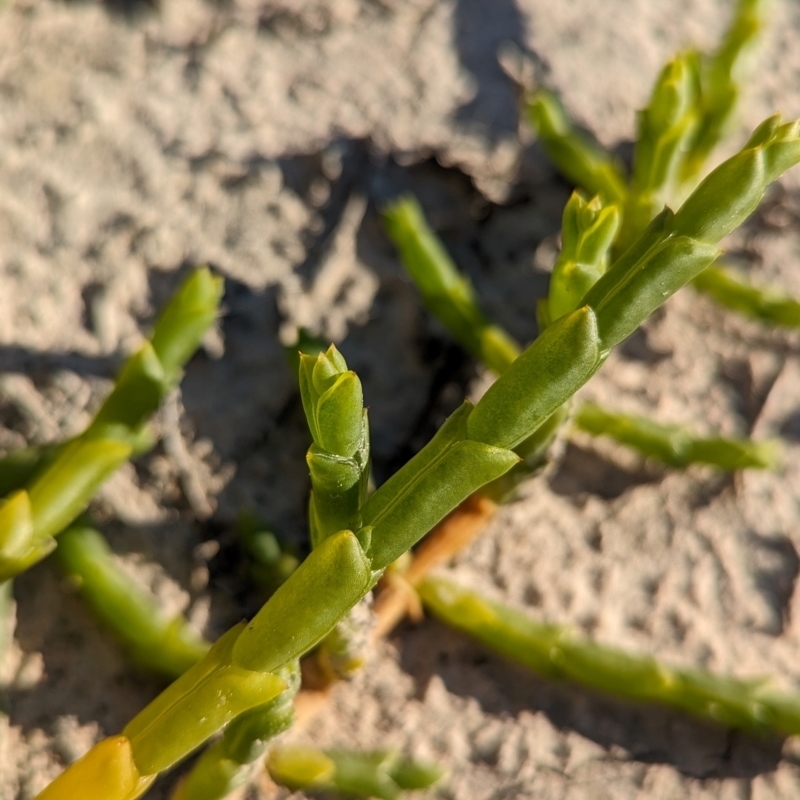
column 720, row 84
column 19, row 467
column 581, row 160
column 61, row 484
column 588, row 230
column 692, row 103
column 734, row 292
column 555, row 652
column 447, row 294
column 339, row 464
column 168, row 646
column 675, row 249
column 665, row 128
column 382, row 774
column 338, row 459
column 435, row 274
column 673, row 444
column 587, row 233
column 231, row 761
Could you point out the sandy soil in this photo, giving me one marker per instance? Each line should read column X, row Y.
column 258, row 137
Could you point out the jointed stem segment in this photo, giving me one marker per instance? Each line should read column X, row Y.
column 691, row 105
column 583, row 161
column 449, row 296
column 638, row 277
column 168, row 646
column 555, row 652
column 231, row 760
column 60, row 485
column 674, row 445
column 381, row 774
column 733, row 291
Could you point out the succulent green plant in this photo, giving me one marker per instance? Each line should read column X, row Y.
column 622, row 257
column 579, row 270
column 555, row 651
column 338, row 459
column 690, row 109
column 247, row 665
column 614, row 256
column 58, row 482
column 383, row 774
column 169, row 646
column 48, row 487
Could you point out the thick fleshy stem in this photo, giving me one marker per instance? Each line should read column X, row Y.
column 383, row 774
column 469, row 451
column 61, row 483
column 451, row 297
column 587, row 233
column 169, row 646
column 588, row 229
column 583, row 161
column 665, row 128
column 233, row 759
column 692, row 104
column 339, row 463
column 733, row 291
column 674, row 250
column 235, row 676
column 720, row 84
column 338, row 459
column 554, row 651
column 674, row 445
column 447, row 294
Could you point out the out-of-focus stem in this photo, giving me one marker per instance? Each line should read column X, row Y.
column 556, row 652
column 673, row 444
column 731, row 291
column 168, row 646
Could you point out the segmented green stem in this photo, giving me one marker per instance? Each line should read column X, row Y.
column 734, row 292
column 673, row 444
column 720, row 84
column 588, row 230
column 450, row 297
column 554, row 651
column 169, row 646
column 382, row 774
column 61, row 483
column 587, row 233
column 666, row 126
column 447, row 294
column 692, row 104
column 674, row 250
column 583, row 161
column 233, row 759
column 338, row 460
